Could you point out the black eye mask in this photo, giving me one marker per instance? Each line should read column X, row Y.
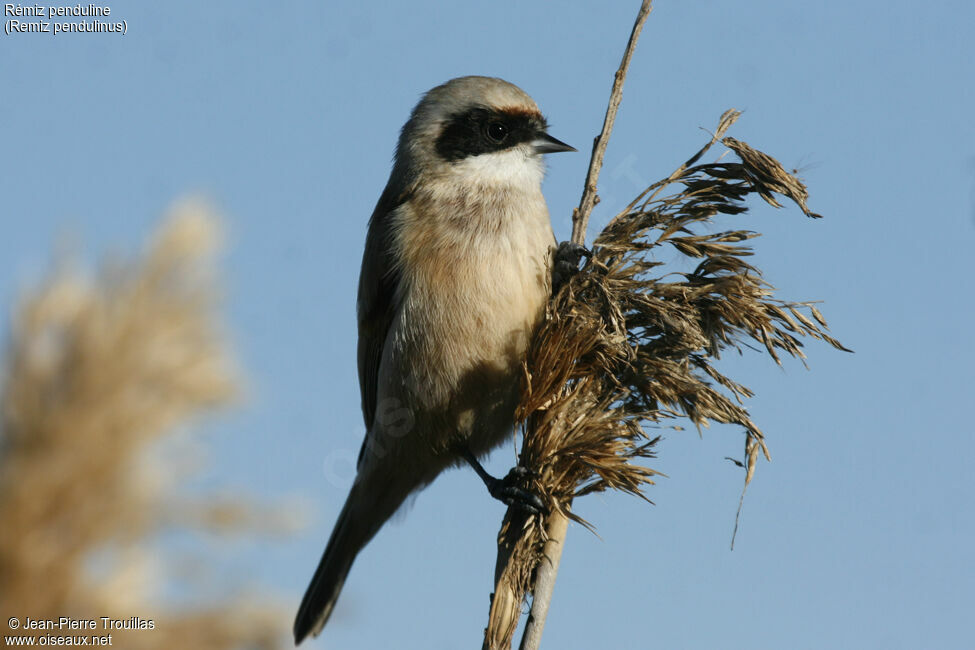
column 484, row 130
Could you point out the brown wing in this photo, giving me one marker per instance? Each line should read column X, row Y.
column 377, row 303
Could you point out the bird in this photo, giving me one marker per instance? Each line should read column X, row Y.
column 456, row 273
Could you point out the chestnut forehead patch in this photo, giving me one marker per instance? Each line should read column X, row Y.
column 523, row 111
column 486, row 130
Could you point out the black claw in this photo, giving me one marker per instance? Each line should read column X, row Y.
column 508, row 490
column 572, row 252
column 566, row 262
column 521, row 473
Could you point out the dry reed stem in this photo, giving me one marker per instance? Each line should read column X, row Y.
column 626, row 346
column 543, row 584
column 506, row 605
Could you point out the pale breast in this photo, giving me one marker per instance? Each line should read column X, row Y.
column 474, row 287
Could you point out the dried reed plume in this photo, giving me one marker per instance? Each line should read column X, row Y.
column 97, row 375
column 626, row 346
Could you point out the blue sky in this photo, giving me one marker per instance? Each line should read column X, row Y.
column 857, row 535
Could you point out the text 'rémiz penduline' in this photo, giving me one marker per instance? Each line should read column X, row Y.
column 15, row 25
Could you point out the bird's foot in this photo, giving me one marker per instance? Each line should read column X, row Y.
column 566, row 262
column 508, row 490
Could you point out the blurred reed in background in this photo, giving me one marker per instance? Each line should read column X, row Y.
column 102, row 373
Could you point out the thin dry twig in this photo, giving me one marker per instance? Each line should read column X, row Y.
column 580, row 215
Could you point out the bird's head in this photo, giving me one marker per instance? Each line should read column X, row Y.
column 478, row 130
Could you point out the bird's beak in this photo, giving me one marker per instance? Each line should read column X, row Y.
column 544, row 143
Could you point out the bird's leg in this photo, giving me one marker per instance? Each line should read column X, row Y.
column 565, row 263
column 507, row 489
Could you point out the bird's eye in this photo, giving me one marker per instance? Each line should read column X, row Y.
column 497, row 131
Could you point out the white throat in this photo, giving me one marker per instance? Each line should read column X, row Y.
column 517, row 169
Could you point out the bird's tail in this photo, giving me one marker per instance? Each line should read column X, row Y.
column 346, row 541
